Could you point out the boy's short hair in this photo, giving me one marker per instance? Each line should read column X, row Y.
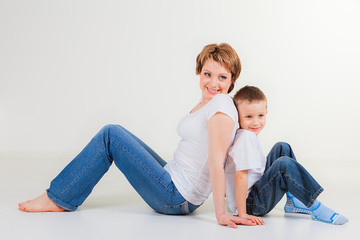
column 224, row 54
column 249, row 93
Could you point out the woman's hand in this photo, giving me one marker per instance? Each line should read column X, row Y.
column 254, row 219
column 231, row 221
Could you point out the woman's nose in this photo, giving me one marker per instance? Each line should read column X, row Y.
column 213, row 81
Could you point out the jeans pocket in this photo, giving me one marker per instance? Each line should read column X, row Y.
column 177, row 209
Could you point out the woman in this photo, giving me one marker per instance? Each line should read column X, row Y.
column 177, row 187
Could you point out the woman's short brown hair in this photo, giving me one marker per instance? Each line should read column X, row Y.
column 224, row 54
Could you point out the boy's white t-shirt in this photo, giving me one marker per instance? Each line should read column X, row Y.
column 244, row 154
column 188, row 169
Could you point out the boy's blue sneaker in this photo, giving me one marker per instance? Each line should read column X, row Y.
column 322, row 213
column 318, row 211
column 293, row 205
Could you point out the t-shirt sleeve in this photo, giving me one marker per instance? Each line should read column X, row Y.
column 224, row 104
column 245, row 152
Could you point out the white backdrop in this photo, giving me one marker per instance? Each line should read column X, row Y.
column 67, row 68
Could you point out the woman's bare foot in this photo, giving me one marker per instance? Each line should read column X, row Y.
column 40, row 204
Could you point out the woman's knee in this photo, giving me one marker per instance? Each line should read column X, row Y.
column 110, row 127
column 110, row 130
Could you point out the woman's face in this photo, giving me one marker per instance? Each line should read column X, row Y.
column 214, row 79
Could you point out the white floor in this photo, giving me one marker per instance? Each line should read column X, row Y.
column 115, row 211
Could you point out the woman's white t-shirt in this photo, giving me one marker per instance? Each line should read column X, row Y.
column 188, row 169
column 244, row 154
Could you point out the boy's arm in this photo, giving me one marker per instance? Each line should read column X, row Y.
column 241, row 192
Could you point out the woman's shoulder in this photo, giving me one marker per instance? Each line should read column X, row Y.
column 222, row 97
column 222, row 103
column 222, row 100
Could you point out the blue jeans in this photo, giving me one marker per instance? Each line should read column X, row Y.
column 142, row 167
column 282, row 174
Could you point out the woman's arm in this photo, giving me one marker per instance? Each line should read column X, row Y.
column 220, row 128
column 241, row 192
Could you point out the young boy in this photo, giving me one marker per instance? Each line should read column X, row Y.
column 255, row 184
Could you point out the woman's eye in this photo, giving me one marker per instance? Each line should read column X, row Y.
column 223, row 77
column 207, row 74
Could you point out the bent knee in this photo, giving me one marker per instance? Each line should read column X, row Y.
column 283, row 145
column 285, row 163
column 110, row 127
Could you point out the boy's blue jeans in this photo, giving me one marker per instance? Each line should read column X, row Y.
column 141, row 166
column 282, row 174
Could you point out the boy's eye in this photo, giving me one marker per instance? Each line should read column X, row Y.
column 261, row 115
column 248, row 117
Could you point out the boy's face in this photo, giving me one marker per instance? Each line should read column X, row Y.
column 252, row 116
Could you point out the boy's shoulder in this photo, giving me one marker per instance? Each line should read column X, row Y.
column 244, row 140
column 243, row 135
column 246, row 152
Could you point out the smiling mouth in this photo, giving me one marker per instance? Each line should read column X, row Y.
column 212, row 91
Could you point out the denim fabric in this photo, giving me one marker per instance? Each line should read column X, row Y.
column 282, row 174
column 142, row 167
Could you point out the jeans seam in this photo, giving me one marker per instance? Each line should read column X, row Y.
column 296, row 183
column 288, row 176
column 268, row 183
column 80, row 174
column 314, row 197
column 254, row 204
column 184, row 206
column 255, row 209
column 140, row 163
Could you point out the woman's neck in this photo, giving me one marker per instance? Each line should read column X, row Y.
column 204, row 101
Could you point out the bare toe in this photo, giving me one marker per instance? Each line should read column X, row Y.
column 40, row 204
